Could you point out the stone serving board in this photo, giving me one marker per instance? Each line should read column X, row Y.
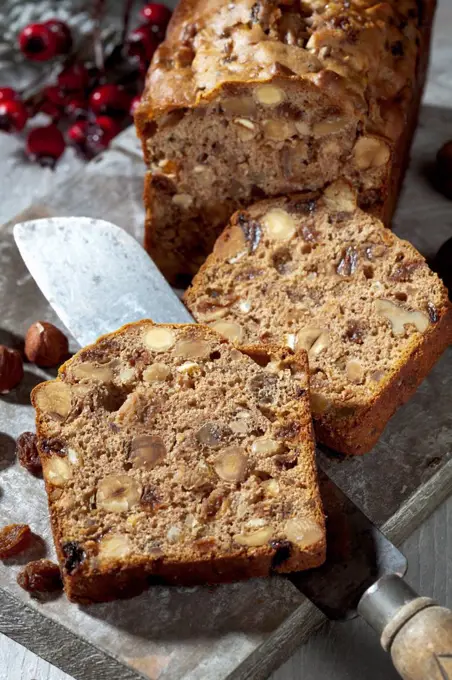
column 235, row 631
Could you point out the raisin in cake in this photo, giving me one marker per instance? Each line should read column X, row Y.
column 316, row 272
column 258, row 99
column 171, row 457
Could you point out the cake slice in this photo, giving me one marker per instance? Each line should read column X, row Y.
column 315, row 272
column 171, row 457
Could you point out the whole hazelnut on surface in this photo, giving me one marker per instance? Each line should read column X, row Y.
column 11, row 368
column 45, row 345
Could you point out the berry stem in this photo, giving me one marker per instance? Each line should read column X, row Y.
column 98, row 45
column 128, row 4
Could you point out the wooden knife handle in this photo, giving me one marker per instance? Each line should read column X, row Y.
column 416, row 632
column 422, row 647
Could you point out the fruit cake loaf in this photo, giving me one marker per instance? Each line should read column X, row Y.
column 171, row 457
column 254, row 99
column 316, row 272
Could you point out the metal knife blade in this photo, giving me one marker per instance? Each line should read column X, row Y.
column 97, row 277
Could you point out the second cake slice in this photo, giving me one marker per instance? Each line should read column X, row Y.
column 314, row 272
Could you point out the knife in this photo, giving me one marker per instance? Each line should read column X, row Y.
column 97, row 278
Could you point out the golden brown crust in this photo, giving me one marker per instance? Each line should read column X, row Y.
column 90, row 580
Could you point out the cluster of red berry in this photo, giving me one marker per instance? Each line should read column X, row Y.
column 88, row 105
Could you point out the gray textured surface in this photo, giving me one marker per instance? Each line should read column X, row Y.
column 340, row 651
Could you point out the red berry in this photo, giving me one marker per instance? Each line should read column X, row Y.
column 45, row 145
column 38, row 42
column 77, row 107
column 53, row 102
column 134, row 104
column 158, row 16
column 77, row 133
column 7, row 94
column 63, row 34
column 110, row 99
column 74, row 78
column 109, row 128
column 13, row 116
column 92, row 137
column 142, row 44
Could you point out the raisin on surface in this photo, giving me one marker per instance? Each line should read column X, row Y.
column 41, row 576
column 74, row 555
column 14, row 539
column 27, row 453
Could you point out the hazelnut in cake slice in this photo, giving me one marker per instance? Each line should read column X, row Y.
column 169, row 456
column 314, row 272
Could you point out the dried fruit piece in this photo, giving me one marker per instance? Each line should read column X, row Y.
column 280, row 226
column 213, row 434
column 400, row 316
column 256, row 538
column 370, row 152
column 57, row 470
column 14, row 539
column 354, row 371
column 90, row 371
column 156, row 373
column 231, row 464
column 45, row 345
column 190, row 349
column 348, row 262
column 41, row 576
column 54, row 399
column 118, row 493
column 11, row 369
column 231, row 330
column 269, row 95
column 74, row 554
column 303, row 531
column 147, row 451
column 114, row 547
column 27, row 453
column 265, row 446
column 159, row 339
